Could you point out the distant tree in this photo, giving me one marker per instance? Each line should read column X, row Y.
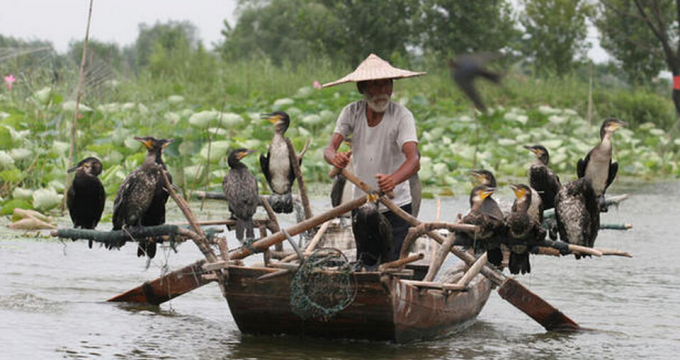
column 661, row 19
column 345, row 30
column 629, row 41
column 107, row 52
column 450, row 27
column 555, row 33
column 166, row 36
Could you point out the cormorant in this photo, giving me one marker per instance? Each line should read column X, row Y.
column 524, row 229
column 577, row 213
column 467, row 68
column 86, row 197
column 491, row 225
column 372, row 234
column 240, row 188
column 489, row 206
column 276, row 165
column 137, row 190
column 155, row 214
column 598, row 166
column 541, row 178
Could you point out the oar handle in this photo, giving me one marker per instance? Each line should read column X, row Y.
column 356, row 181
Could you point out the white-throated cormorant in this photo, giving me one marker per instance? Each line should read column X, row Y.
column 524, row 230
column 492, row 228
column 276, row 165
column 598, row 166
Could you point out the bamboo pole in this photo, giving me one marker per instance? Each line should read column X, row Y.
column 439, row 257
column 312, row 244
column 401, row 262
column 473, row 271
column 79, row 94
column 299, row 227
column 292, row 155
column 433, row 285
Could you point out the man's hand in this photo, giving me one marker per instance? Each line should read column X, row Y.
column 385, row 182
column 341, row 160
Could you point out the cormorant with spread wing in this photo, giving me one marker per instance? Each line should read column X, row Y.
column 372, row 234
column 240, row 189
column 598, row 166
column 86, row 197
column 155, row 214
column 577, row 213
column 276, row 165
column 465, row 69
column 541, row 178
column 524, row 229
column 137, row 190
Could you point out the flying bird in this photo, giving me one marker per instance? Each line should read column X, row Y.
column 465, row 69
column 240, row 189
column 86, row 196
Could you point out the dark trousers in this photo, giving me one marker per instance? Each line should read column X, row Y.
column 399, row 231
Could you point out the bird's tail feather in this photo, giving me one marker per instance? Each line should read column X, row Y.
column 495, row 256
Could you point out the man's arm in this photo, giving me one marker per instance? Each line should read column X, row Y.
column 411, row 165
column 331, row 154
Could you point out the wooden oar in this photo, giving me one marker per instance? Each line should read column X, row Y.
column 166, row 287
column 511, row 290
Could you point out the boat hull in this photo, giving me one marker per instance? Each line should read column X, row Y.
column 384, row 309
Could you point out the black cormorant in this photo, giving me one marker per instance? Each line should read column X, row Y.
column 240, row 188
column 491, row 225
column 577, row 213
column 86, row 197
column 372, row 234
column 598, row 166
column 541, row 178
column 137, row 190
column 276, row 165
column 155, row 214
column 489, row 206
column 524, row 230
column 465, row 69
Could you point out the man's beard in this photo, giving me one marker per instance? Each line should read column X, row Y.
column 378, row 103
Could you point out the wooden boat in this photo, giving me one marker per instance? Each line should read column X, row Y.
column 386, row 307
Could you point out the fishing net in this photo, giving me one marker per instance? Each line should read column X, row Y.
column 323, row 286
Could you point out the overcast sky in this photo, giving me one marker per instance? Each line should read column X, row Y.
column 61, row 21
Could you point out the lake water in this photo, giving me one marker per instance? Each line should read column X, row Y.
column 52, row 301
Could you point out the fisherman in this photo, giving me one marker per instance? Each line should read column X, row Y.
column 384, row 140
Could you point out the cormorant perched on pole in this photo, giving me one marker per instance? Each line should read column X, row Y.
column 155, row 214
column 489, row 206
column 492, row 228
column 577, row 213
column 137, row 190
column 372, row 234
column 86, row 197
column 541, row 178
column 598, row 166
column 465, row 69
column 276, row 165
column 524, row 229
column 240, row 188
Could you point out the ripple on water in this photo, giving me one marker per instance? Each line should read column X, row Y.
column 27, row 302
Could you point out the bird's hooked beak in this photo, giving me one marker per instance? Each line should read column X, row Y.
column 85, row 165
column 167, row 142
column 520, row 192
column 372, row 197
column 478, row 176
column 617, row 124
column 148, row 143
column 73, row 169
column 485, row 193
column 245, row 153
column 273, row 118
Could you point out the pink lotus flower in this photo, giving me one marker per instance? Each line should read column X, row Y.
column 316, row 85
column 9, row 80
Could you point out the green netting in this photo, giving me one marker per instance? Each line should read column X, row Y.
column 323, row 286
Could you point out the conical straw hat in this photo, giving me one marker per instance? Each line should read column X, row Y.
column 374, row 68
